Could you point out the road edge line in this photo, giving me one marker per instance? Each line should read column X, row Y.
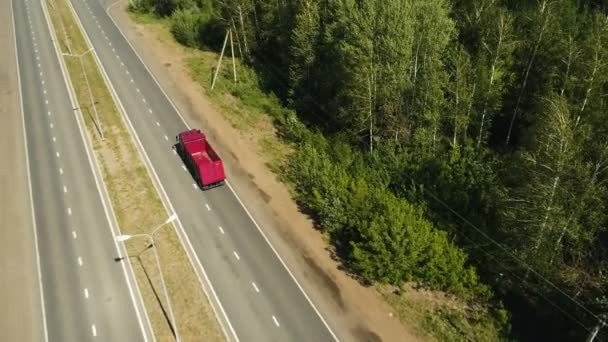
column 29, row 179
column 161, row 191
column 227, row 182
column 101, row 187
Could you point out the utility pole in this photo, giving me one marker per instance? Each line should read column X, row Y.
column 232, row 50
column 219, row 63
column 238, row 39
column 243, row 30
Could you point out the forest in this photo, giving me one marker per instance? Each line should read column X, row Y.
column 458, row 144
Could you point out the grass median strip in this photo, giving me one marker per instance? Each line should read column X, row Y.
column 135, row 201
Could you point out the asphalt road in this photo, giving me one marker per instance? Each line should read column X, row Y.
column 86, row 295
column 19, row 289
column 260, row 298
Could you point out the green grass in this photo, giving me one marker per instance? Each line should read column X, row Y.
column 441, row 319
column 135, row 200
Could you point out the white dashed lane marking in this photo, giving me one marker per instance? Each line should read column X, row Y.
column 221, row 229
column 236, row 255
column 79, row 261
column 255, row 287
column 276, row 321
column 86, row 293
column 74, row 235
column 208, row 207
column 94, row 330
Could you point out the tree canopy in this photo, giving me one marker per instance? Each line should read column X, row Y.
column 461, row 144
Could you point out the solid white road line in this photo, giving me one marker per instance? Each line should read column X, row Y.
column 100, row 187
column 276, row 322
column 29, row 176
column 236, row 255
column 255, row 287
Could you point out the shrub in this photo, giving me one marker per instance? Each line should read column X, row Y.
column 185, row 26
column 382, row 237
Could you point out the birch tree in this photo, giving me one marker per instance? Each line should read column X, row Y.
column 534, row 209
column 460, row 92
column 497, row 44
column 432, row 32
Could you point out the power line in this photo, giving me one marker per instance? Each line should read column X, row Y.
column 280, row 76
column 541, row 277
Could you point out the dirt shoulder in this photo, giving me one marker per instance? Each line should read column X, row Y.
column 354, row 312
column 19, row 287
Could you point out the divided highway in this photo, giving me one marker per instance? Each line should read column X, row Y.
column 259, row 296
column 85, row 292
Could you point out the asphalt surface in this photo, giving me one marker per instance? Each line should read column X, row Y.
column 20, row 298
column 86, row 295
column 260, row 298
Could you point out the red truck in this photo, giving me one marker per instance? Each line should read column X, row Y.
column 201, row 159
